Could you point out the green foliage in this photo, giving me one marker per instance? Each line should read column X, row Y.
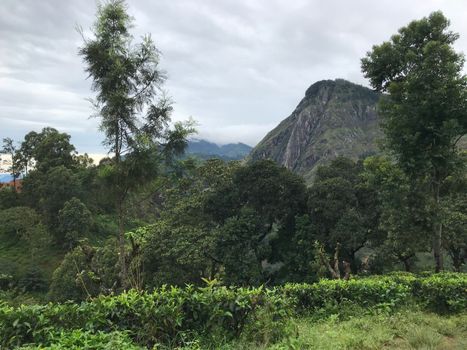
column 176, row 255
column 300, row 261
column 424, row 111
column 343, row 208
column 168, row 314
column 24, row 224
column 134, row 114
column 74, row 220
column 10, row 149
column 403, row 221
column 17, row 221
column 47, row 149
column 180, row 245
column 445, row 292
column 8, row 198
column 308, row 298
column 48, row 191
column 33, row 280
column 454, row 216
column 161, row 316
column 85, row 272
column 79, row 340
column 239, row 244
column 255, row 212
column 408, row 329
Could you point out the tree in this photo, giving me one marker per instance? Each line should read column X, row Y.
column 10, row 149
column 47, row 192
column 273, row 193
column 180, row 247
column 425, row 109
column 402, row 222
column 299, row 263
column 133, row 114
column 45, row 150
column 74, row 220
column 273, row 196
column 241, row 248
column 342, row 208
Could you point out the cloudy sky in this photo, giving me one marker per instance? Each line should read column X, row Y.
column 238, row 67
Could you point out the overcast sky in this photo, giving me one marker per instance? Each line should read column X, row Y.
column 238, row 67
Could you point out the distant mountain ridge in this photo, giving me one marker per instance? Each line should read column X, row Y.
column 335, row 118
column 205, row 149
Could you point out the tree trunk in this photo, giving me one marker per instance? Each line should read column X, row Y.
column 121, row 243
column 457, row 258
column 439, row 266
column 407, row 266
column 334, row 271
column 120, row 213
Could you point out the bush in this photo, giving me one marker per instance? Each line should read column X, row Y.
column 444, row 292
column 161, row 316
column 171, row 315
column 85, row 272
column 368, row 292
column 77, row 340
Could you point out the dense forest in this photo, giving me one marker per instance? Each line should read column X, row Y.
column 154, row 247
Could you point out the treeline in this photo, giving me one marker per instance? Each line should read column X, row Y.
column 243, row 224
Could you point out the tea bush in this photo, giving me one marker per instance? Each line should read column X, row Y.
column 160, row 316
column 362, row 292
column 445, row 292
column 171, row 315
column 78, row 340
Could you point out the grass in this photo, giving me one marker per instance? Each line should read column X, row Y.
column 404, row 330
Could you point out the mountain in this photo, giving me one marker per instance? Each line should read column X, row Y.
column 205, row 149
column 336, row 117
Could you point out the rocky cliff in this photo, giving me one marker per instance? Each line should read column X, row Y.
column 336, row 117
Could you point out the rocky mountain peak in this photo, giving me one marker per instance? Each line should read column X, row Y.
column 336, row 117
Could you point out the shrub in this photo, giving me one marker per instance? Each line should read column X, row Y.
column 171, row 315
column 307, row 298
column 445, row 292
column 85, row 272
column 78, row 339
column 161, row 316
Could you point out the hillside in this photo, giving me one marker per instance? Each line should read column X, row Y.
column 205, row 149
column 336, row 117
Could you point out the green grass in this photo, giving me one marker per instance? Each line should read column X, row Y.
column 404, row 330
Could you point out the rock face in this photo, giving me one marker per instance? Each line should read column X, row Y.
column 335, row 118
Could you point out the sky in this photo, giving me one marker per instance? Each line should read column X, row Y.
column 238, row 67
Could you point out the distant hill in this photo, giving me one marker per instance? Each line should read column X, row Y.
column 336, row 117
column 204, row 149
